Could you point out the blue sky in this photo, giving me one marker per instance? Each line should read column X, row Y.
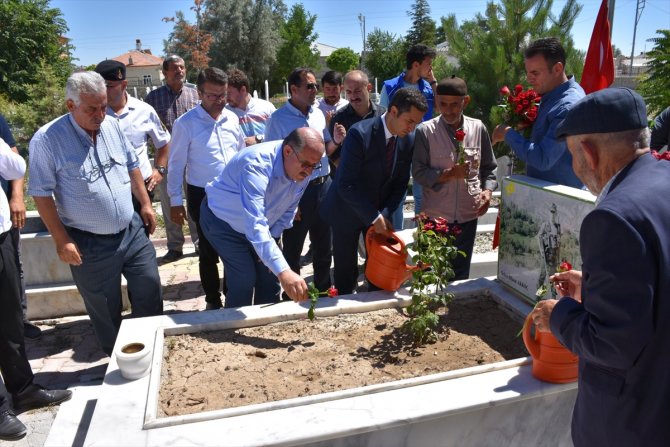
column 101, row 29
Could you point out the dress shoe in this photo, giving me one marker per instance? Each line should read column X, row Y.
column 31, row 331
column 171, row 256
column 214, row 305
column 11, row 429
column 36, row 397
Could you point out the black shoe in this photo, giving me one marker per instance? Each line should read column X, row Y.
column 214, row 305
column 171, row 256
column 36, row 397
column 307, row 259
column 11, row 429
column 31, row 331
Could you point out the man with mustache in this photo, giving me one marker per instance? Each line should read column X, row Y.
column 82, row 172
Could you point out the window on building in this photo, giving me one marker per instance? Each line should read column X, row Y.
column 147, row 79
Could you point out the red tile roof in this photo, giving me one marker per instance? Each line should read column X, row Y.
column 139, row 58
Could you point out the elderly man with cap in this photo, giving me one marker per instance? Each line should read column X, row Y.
column 458, row 177
column 614, row 313
column 139, row 122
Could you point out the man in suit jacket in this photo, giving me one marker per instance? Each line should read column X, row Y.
column 615, row 313
column 371, row 180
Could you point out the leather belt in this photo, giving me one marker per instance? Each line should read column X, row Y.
column 319, row 180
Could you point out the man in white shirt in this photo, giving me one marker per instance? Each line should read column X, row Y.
column 332, row 101
column 203, row 141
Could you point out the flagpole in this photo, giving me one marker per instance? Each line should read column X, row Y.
column 610, row 14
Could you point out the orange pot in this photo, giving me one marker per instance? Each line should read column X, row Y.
column 552, row 362
column 386, row 267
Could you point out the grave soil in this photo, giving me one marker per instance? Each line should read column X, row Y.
column 213, row 370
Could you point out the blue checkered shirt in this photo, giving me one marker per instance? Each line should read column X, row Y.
column 90, row 183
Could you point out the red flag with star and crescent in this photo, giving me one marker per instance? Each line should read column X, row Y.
column 599, row 64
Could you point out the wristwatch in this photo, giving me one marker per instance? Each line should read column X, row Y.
column 161, row 170
column 259, row 138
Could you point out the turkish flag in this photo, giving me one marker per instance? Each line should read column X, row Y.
column 599, row 64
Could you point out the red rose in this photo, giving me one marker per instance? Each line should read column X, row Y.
column 332, row 292
column 531, row 115
column 460, row 135
column 564, row 266
column 505, row 91
column 441, row 221
column 518, row 89
column 428, row 226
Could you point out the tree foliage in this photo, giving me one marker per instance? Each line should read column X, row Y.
column 190, row 42
column 246, row 35
column 385, row 56
column 655, row 83
column 297, row 47
column 490, row 47
column 32, row 36
column 423, row 28
column 342, row 60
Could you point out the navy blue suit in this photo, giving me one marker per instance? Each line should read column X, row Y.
column 362, row 189
column 621, row 331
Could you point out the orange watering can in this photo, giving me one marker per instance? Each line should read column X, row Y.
column 552, row 362
column 386, row 267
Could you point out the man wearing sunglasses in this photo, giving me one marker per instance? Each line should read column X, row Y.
column 249, row 205
column 204, row 139
column 300, row 112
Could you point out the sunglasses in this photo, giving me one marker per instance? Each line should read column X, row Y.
column 312, row 86
column 306, row 165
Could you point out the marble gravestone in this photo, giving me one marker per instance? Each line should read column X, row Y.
column 539, row 229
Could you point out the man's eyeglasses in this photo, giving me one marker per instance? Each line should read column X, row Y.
column 214, row 97
column 307, row 165
column 312, row 86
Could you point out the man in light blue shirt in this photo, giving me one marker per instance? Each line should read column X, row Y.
column 248, row 207
column 203, row 141
column 546, row 156
column 300, row 112
column 82, row 172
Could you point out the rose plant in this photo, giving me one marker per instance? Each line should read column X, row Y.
column 433, row 259
column 314, row 295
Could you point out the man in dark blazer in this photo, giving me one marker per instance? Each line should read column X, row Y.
column 615, row 314
column 371, row 180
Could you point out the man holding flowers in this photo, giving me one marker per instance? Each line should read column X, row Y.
column 546, row 157
column 453, row 161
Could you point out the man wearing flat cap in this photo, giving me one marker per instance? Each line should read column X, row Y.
column 458, row 178
column 139, row 122
column 614, row 314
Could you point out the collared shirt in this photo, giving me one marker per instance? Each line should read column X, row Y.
column 170, row 105
column 201, row 146
column 546, row 156
column 347, row 116
column 322, row 105
column 139, row 122
column 90, row 182
column 254, row 118
column 255, row 197
column 12, row 166
column 6, row 134
column 288, row 118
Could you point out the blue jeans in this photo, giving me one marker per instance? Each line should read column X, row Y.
column 417, row 192
column 245, row 272
column 98, row 278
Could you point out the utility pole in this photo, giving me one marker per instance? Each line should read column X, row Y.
column 610, row 15
column 361, row 20
column 638, row 13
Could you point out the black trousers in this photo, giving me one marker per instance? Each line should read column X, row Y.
column 465, row 242
column 14, row 364
column 345, row 256
column 310, row 221
column 207, row 258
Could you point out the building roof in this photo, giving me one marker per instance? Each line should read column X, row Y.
column 325, row 50
column 136, row 58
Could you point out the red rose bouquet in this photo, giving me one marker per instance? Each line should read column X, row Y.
column 518, row 108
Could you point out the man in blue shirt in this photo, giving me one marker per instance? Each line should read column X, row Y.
column 299, row 111
column 247, row 208
column 82, row 172
column 546, row 156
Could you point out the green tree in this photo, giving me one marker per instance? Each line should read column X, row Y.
column 342, row 60
column 190, row 42
column 246, row 35
column 297, row 47
column 654, row 85
column 489, row 48
column 32, row 36
column 423, row 28
column 385, row 55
